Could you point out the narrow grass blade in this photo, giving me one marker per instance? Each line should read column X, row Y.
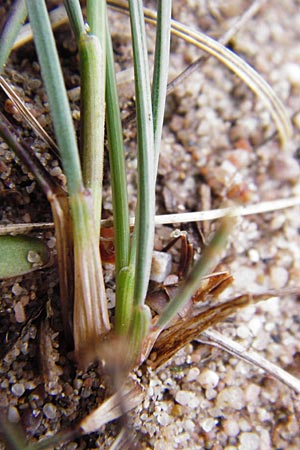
column 17, row 16
column 13, row 435
column 54, row 83
column 74, row 13
column 92, row 118
column 160, row 73
column 143, row 238
column 144, row 229
column 96, row 19
column 124, row 271
column 201, row 268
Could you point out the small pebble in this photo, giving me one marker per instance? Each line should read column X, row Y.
column 187, row 398
column 161, row 266
column 249, row 441
column 231, row 427
column 163, row 419
column 49, row 411
column 208, row 424
column 17, row 289
column 279, row 277
column 18, row 389
column 253, row 255
column 33, row 257
column 192, row 374
column 19, row 312
column 208, row 379
column 231, row 397
column 292, row 72
column 13, row 415
column 243, row 332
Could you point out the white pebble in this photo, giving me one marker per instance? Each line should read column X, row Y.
column 232, row 397
column 49, row 411
column 243, row 332
column 292, row 72
column 210, row 394
column 252, row 393
column 187, row 398
column 193, row 374
column 278, row 277
column 231, row 427
column 18, row 389
column 253, row 255
column 13, row 415
column 208, row 424
column 17, row 289
column 208, row 379
column 255, row 325
column 19, row 312
column 189, row 425
column 163, row 419
column 161, row 266
column 249, row 441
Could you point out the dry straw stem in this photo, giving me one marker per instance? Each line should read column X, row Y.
column 165, row 219
column 188, row 328
column 216, row 339
column 27, row 115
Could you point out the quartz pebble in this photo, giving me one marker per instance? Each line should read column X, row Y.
column 249, row 441
column 231, row 397
column 208, row 424
column 208, row 379
column 231, row 427
column 192, row 374
column 279, row 277
column 13, row 415
column 18, row 389
column 161, row 266
column 187, row 398
column 49, row 411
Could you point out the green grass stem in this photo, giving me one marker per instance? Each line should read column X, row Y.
column 144, row 218
column 11, row 29
column 124, row 270
column 90, row 307
column 144, row 222
column 92, row 119
column 75, row 16
column 57, row 95
column 206, row 262
column 160, row 72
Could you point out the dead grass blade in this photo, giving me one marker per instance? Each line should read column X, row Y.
column 27, row 115
column 164, row 219
column 188, row 328
column 131, row 394
column 216, row 339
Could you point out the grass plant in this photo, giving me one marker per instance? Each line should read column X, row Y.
column 77, row 209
